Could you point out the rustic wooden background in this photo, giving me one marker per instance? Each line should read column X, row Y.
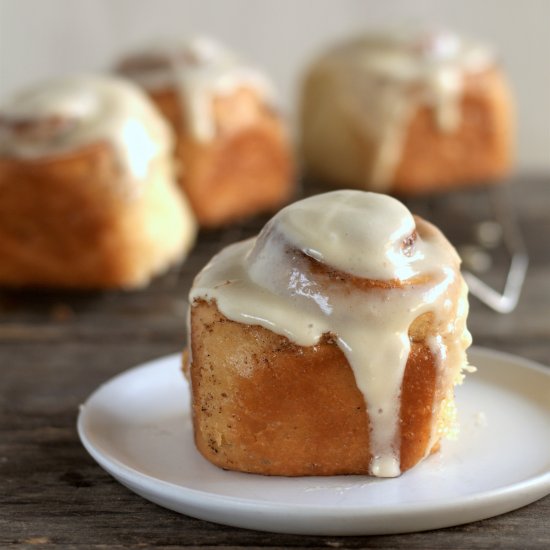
column 56, row 348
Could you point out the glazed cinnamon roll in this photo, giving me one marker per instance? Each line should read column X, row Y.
column 231, row 144
column 87, row 192
column 330, row 344
column 407, row 111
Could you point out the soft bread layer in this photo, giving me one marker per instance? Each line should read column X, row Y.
column 264, row 405
column 246, row 168
column 74, row 221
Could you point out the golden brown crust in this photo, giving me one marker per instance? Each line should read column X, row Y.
column 264, row 405
column 246, row 169
column 479, row 151
column 73, row 221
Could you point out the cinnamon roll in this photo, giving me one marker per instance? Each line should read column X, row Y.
column 330, row 344
column 87, row 193
column 231, row 145
column 407, row 111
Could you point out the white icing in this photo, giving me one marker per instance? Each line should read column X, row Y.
column 269, row 281
column 200, row 70
column 73, row 112
column 382, row 78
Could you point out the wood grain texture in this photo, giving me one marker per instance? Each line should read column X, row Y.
column 56, row 348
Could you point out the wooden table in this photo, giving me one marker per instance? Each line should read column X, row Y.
column 56, row 348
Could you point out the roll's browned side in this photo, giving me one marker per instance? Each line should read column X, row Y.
column 479, row 151
column 246, row 169
column 73, row 221
column 264, row 405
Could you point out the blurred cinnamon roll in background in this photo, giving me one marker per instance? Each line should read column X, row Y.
column 407, row 111
column 330, row 344
column 232, row 149
column 87, row 192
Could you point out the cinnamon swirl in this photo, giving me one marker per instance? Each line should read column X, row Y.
column 87, row 193
column 331, row 343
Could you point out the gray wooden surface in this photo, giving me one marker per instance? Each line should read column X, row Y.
column 56, row 348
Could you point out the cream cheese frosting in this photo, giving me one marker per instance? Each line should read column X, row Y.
column 59, row 116
column 199, row 70
column 269, row 281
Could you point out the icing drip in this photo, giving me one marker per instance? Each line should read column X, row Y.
column 62, row 115
column 272, row 281
column 200, row 70
column 382, row 78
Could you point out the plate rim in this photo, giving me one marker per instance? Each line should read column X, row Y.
column 537, row 486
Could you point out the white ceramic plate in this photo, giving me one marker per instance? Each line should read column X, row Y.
column 138, row 427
